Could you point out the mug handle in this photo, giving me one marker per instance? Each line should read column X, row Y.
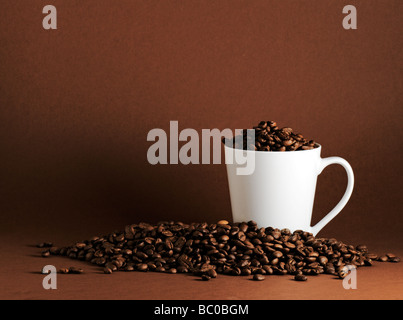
column 347, row 194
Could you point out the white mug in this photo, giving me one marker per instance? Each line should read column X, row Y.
column 281, row 190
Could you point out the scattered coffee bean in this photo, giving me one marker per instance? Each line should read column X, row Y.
column 160, row 269
column 362, row 248
column 182, row 269
column 108, row 271
column 205, row 277
column 300, row 277
column 129, row 268
column 54, row 250
column 372, row 256
column 211, row 273
column 64, row 270
column 258, row 277
column 44, row 245
column 75, row 270
column 390, row 255
column 368, row 262
column 342, row 273
column 45, row 254
column 224, row 238
column 142, row 267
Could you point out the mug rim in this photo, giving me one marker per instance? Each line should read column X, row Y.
column 319, row 147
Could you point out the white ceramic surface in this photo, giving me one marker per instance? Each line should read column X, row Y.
column 280, row 192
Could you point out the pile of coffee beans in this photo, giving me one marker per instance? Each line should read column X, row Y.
column 269, row 137
column 206, row 250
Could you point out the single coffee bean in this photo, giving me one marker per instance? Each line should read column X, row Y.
column 111, row 266
column 235, row 271
column 289, row 245
column 322, row 260
column 310, row 259
column 142, row 267
column 372, row 256
column 315, row 272
column 362, row 248
column 211, row 273
column 205, row 277
column 129, row 268
column 288, row 143
column 342, row 273
column 262, row 124
column 160, row 269
column 258, row 277
column 246, row 271
column 108, row 271
column 64, row 270
column 80, row 245
column 241, row 236
column 54, row 250
column 120, row 237
column 313, row 265
column 383, row 258
column 368, row 262
column 300, row 277
column 394, row 259
column 45, row 254
column 75, row 270
column 268, row 269
column 44, row 245
column 258, row 270
column 224, row 238
column 182, row 269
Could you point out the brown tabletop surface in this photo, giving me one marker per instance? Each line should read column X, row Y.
column 22, row 263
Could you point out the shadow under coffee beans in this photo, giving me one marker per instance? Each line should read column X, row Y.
column 226, row 248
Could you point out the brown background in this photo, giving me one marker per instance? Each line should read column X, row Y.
column 76, row 105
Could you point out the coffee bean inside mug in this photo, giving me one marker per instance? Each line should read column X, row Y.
column 269, row 137
column 205, row 250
